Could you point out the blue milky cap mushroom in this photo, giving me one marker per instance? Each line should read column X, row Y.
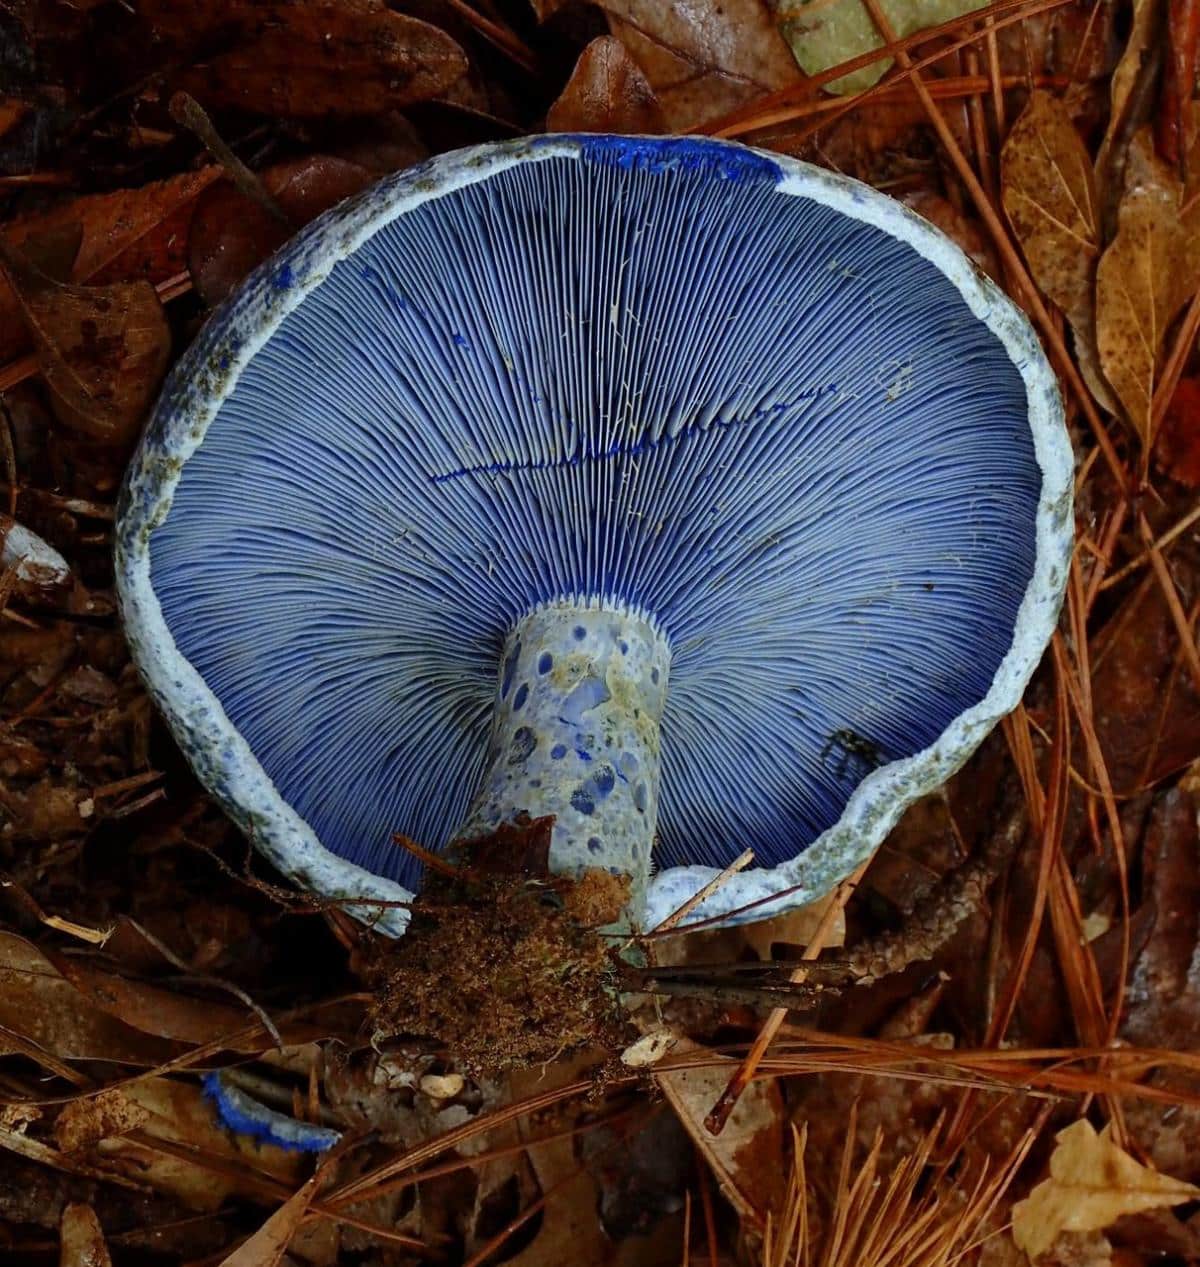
column 698, row 497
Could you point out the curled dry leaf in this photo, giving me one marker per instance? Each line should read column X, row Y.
column 1049, row 195
column 703, row 60
column 607, row 92
column 81, row 1239
column 1140, row 50
column 1148, row 273
column 309, row 59
column 1092, row 1184
column 230, row 234
column 825, row 33
column 103, row 350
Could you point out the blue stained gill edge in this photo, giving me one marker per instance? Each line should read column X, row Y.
column 242, row 1113
column 205, row 375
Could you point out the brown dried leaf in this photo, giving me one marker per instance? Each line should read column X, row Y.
column 701, row 59
column 81, row 1240
column 37, row 1003
column 1092, row 1184
column 1050, row 197
column 128, row 234
column 85, row 1122
column 1151, row 269
column 161, row 1012
column 230, row 234
column 103, row 350
column 748, row 1155
column 266, row 1247
column 310, row 58
column 607, row 92
column 1177, row 450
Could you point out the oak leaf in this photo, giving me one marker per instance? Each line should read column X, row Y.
column 1092, row 1184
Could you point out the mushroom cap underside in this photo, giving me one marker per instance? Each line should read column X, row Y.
column 766, row 408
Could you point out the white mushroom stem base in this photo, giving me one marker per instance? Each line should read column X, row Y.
column 576, row 735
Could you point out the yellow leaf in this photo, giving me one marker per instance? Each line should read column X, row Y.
column 1092, row 1184
column 825, row 33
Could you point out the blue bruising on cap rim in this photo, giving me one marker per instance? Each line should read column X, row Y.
column 238, row 1112
column 285, row 278
column 675, row 154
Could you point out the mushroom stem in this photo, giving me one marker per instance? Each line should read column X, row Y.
column 576, row 735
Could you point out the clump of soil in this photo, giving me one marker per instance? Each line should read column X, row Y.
column 502, row 963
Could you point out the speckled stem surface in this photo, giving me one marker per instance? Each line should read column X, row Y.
column 576, row 735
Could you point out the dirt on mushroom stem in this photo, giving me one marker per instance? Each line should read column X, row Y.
column 505, row 965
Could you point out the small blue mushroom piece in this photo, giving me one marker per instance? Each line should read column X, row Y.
column 695, row 496
column 247, row 1116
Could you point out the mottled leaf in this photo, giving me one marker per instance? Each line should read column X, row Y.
column 703, row 60
column 607, row 92
column 1092, row 1184
column 1148, row 272
column 824, row 33
column 1050, row 197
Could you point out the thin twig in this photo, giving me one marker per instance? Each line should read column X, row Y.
column 718, row 881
